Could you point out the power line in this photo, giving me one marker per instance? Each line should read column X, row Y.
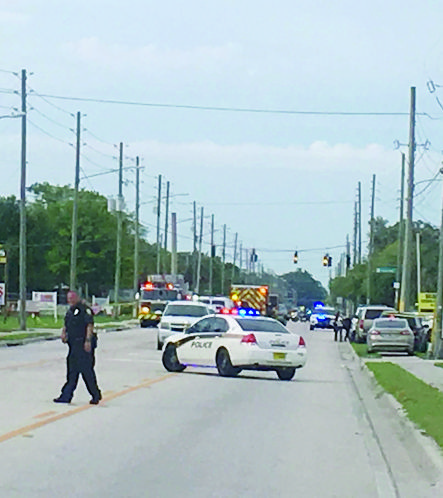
column 48, row 134
column 98, row 138
column 33, row 92
column 61, row 125
column 227, row 109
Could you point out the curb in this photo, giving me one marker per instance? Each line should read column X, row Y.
column 429, row 445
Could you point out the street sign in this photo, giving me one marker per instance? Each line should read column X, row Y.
column 386, row 269
column 2, row 294
column 427, row 302
column 2, row 255
column 396, row 285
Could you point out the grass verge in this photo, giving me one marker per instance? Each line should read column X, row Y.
column 439, row 364
column 24, row 335
column 362, row 351
column 422, row 402
column 47, row 322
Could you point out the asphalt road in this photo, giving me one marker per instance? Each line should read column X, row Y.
column 324, row 434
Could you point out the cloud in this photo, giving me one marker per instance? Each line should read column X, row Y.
column 151, row 57
column 9, row 17
column 318, row 157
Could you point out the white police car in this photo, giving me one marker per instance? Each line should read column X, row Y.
column 322, row 318
column 236, row 343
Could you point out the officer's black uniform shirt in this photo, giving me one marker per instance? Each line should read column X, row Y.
column 77, row 319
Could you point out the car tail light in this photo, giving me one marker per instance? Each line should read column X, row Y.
column 405, row 332
column 225, row 311
column 361, row 324
column 375, row 332
column 301, row 342
column 249, row 339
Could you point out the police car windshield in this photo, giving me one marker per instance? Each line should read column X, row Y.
column 260, row 325
column 185, row 310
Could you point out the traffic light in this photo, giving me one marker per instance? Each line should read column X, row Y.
column 329, row 260
column 295, row 257
column 325, row 260
column 254, row 256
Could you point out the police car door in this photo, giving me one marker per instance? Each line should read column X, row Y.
column 206, row 344
column 188, row 351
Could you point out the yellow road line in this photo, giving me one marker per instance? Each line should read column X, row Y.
column 60, row 416
column 27, row 365
column 45, row 414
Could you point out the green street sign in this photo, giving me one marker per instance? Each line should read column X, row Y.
column 387, row 269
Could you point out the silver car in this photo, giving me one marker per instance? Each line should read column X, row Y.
column 390, row 334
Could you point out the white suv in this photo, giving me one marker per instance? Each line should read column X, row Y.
column 366, row 315
column 178, row 316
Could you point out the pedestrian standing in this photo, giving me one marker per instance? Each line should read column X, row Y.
column 347, row 322
column 78, row 333
column 338, row 327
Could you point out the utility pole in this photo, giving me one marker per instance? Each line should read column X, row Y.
column 355, row 259
column 159, row 200
column 167, row 216
column 174, row 244
column 119, row 230
column 400, row 228
column 194, row 251
column 437, row 332
column 235, row 258
column 22, row 240
column 241, row 257
column 211, row 262
column 371, row 242
column 73, row 273
column 405, row 290
column 197, row 284
column 359, row 223
column 223, row 261
column 417, row 240
column 137, row 222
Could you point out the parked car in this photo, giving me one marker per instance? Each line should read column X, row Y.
column 418, row 327
column 390, row 334
column 365, row 317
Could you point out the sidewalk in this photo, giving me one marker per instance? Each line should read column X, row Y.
column 423, row 369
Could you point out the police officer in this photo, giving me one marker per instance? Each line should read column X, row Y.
column 78, row 332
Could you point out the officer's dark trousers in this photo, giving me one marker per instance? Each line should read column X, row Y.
column 338, row 332
column 80, row 362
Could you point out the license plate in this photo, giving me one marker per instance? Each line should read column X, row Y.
column 279, row 356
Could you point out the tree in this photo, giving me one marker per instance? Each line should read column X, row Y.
column 307, row 288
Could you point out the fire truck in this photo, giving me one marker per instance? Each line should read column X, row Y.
column 155, row 293
column 250, row 296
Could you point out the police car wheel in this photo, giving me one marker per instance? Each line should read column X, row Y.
column 224, row 365
column 170, row 360
column 286, row 373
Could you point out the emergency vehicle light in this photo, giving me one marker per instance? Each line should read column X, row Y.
column 148, row 285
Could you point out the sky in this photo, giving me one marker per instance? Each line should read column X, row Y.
column 282, row 181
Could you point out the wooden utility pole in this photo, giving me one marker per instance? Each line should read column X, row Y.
column 73, row 272
column 211, row 258
column 401, row 228
column 235, row 258
column 223, row 261
column 159, row 200
column 355, row 259
column 119, row 230
column 359, row 223
column 22, row 238
column 199, row 262
column 174, row 244
column 437, row 340
column 405, row 290
column 194, row 250
column 137, row 224
column 167, row 216
column 418, row 253
column 371, row 242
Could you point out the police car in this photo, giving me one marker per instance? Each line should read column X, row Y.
column 236, row 343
